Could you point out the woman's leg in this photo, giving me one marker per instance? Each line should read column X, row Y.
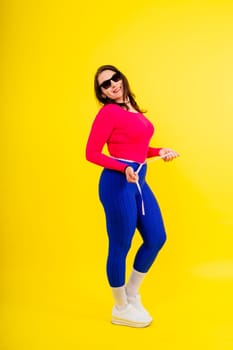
column 151, row 228
column 152, row 231
column 118, row 199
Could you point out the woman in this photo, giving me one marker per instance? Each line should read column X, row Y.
column 128, row 201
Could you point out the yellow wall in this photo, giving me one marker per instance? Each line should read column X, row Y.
column 178, row 58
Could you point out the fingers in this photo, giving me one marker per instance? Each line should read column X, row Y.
column 168, row 154
column 131, row 176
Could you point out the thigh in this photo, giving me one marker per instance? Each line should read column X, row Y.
column 150, row 225
column 119, row 202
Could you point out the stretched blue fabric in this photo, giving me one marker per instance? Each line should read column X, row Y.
column 122, row 204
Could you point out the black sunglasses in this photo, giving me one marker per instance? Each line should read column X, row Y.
column 107, row 83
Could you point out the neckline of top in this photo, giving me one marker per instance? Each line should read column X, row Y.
column 126, row 110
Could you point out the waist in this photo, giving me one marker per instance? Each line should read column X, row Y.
column 137, row 166
column 129, row 160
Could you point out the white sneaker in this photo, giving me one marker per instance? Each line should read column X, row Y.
column 136, row 302
column 130, row 316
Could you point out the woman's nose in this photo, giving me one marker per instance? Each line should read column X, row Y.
column 113, row 83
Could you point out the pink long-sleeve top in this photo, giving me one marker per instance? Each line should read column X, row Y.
column 126, row 134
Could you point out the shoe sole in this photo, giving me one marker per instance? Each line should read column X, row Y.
column 123, row 322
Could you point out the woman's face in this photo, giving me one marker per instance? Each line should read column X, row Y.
column 112, row 85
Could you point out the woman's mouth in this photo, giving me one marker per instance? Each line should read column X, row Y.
column 115, row 91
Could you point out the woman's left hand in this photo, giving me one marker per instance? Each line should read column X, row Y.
column 168, row 154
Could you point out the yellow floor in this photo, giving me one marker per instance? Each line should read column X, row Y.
column 195, row 312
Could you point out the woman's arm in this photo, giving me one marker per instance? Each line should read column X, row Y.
column 101, row 130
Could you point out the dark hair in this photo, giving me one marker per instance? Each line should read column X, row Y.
column 126, row 88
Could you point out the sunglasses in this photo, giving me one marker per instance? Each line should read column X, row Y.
column 107, row 83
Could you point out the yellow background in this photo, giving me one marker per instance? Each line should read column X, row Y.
column 178, row 58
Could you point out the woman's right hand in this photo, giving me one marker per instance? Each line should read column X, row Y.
column 130, row 174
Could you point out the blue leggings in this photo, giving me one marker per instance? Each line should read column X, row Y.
column 122, row 204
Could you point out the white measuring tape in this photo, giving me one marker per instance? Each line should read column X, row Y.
column 138, row 170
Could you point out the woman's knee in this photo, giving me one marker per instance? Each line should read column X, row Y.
column 157, row 241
